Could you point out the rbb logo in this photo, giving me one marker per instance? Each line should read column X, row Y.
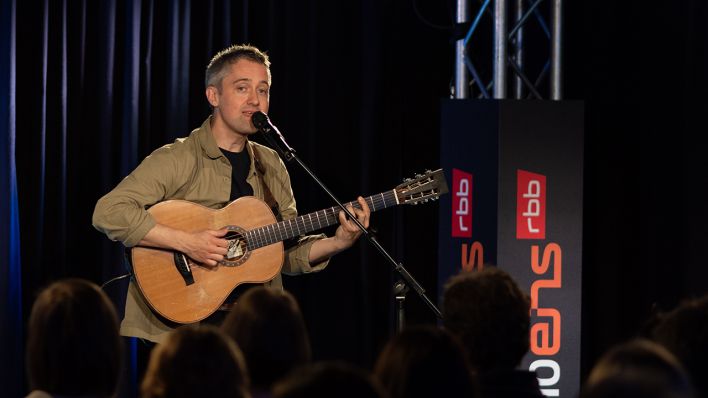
column 530, row 205
column 461, row 204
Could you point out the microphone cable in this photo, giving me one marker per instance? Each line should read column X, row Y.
column 115, row 279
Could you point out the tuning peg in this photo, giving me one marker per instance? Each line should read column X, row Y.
column 418, row 175
column 407, row 179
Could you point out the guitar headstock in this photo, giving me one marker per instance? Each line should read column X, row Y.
column 422, row 188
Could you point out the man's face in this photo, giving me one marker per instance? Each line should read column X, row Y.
column 245, row 89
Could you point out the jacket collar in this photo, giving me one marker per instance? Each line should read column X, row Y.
column 207, row 141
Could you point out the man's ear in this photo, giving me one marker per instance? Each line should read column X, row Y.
column 212, row 96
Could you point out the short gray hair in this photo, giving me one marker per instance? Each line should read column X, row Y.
column 217, row 68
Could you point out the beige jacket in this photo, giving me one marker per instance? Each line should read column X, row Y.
column 193, row 169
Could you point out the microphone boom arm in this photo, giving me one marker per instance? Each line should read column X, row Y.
column 261, row 122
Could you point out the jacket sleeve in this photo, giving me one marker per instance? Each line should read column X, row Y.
column 121, row 214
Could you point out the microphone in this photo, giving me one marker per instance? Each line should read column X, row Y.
column 263, row 124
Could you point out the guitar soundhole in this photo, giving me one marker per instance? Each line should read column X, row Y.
column 238, row 247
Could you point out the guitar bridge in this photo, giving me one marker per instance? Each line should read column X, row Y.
column 183, row 267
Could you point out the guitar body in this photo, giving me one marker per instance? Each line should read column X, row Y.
column 165, row 288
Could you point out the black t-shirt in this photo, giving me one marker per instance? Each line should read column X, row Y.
column 240, row 164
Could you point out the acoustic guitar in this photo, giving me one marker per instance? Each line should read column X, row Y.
column 185, row 291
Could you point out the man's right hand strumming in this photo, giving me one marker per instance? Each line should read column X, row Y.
column 206, row 247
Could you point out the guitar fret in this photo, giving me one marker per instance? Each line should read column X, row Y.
column 298, row 225
column 258, row 236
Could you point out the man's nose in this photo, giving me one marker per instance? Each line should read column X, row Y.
column 253, row 97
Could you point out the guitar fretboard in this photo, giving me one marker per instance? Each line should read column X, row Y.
column 269, row 234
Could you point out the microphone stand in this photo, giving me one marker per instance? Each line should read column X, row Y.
column 288, row 153
column 399, row 292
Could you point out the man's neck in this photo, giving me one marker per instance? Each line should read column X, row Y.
column 226, row 138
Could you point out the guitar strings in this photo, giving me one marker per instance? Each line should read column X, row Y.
column 269, row 234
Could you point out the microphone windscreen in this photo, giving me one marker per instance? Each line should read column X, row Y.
column 260, row 120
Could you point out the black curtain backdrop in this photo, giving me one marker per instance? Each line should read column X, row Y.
column 641, row 68
column 89, row 88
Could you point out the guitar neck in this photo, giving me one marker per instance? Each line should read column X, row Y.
column 273, row 233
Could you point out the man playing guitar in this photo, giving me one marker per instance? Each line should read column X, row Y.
column 212, row 167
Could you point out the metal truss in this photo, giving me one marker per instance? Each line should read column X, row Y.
column 509, row 51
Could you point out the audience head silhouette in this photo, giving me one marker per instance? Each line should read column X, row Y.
column 328, row 379
column 196, row 361
column 73, row 346
column 684, row 332
column 639, row 368
column 268, row 326
column 424, row 361
column 489, row 313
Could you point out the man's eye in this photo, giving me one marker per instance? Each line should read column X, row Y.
column 263, row 91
